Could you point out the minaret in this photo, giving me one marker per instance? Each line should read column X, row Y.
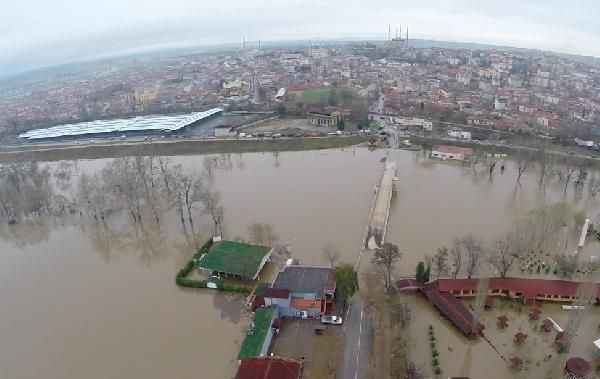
column 407, row 36
column 389, row 31
column 244, row 43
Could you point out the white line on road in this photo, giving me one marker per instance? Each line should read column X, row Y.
column 347, row 313
column 358, row 350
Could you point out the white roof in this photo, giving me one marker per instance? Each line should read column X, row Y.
column 154, row 122
column 597, row 343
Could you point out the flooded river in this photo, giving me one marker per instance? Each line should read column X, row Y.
column 78, row 303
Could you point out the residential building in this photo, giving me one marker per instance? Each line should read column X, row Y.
column 500, row 103
column 301, row 291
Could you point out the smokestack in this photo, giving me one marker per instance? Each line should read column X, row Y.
column 259, row 40
column 389, row 31
column 407, row 36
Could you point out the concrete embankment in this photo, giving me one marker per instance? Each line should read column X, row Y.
column 171, row 148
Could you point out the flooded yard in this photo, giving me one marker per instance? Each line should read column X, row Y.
column 80, row 302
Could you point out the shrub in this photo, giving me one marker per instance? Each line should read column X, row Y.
column 432, row 338
column 437, row 371
column 598, row 367
column 435, row 362
column 434, row 353
column 432, row 345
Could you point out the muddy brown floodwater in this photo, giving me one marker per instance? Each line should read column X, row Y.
column 78, row 303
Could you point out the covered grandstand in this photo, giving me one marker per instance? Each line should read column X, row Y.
column 137, row 125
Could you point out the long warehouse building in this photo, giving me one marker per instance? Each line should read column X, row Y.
column 141, row 124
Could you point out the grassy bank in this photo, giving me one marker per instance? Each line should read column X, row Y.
column 175, row 147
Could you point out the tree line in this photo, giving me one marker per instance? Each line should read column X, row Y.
column 142, row 186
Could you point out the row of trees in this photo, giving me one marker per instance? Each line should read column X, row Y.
column 144, row 187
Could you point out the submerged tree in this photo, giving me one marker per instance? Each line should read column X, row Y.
column 505, row 254
column 439, row 262
column 331, row 253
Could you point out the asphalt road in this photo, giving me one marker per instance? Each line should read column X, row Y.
column 358, row 333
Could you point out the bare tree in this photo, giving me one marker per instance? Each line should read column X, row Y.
column 384, row 260
column 456, row 257
column 439, row 262
column 570, row 169
column 262, row 234
column 545, row 162
column 566, row 264
column 211, row 206
column 471, row 249
column 505, row 254
column 585, row 296
column 331, row 253
column 524, row 160
column 474, row 253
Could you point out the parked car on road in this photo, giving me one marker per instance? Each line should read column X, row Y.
column 335, row 320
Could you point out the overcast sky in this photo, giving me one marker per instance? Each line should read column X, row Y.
column 35, row 33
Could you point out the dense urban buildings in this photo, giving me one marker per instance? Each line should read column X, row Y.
column 508, row 90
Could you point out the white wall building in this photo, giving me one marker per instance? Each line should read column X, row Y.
column 501, row 103
column 445, row 152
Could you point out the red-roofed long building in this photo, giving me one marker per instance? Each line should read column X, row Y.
column 269, row 368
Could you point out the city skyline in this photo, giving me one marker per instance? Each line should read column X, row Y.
column 69, row 31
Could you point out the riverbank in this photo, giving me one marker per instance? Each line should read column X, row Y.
column 173, row 147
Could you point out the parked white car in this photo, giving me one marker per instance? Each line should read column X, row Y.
column 335, row 320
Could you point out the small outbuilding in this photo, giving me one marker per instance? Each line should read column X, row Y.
column 534, row 313
column 546, row 325
column 516, row 363
column 502, row 321
column 520, row 338
column 234, row 259
column 577, row 368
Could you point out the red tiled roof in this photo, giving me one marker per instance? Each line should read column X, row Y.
column 407, row 283
column 269, row 368
column 277, row 293
column 530, row 288
column 452, row 308
column 300, row 303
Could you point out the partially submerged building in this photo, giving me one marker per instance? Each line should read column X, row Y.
column 260, row 333
column 300, row 291
column 234, row 259
column 445, row 152
column 269, row 368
